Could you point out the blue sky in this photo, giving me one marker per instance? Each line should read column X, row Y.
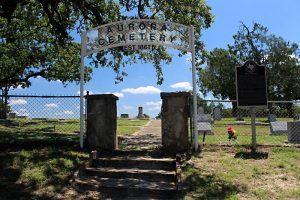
column 139, row 87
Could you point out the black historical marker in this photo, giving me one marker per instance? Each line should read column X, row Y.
column 251, row 85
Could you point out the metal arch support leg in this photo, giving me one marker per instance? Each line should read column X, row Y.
column 194, row 88
column 81, row 101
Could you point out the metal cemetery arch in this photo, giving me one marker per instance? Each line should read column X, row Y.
column 135, row 34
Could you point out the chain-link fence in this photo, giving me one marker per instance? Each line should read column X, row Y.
column 39, row 114
column 224, row 123
column 28, row 115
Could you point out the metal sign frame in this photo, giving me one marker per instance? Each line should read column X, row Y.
column 189, row 48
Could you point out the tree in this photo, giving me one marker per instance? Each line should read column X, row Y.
column 4, row 109
column 280, row 57
column 28, row 50
column 36, row 36
column 63, row 16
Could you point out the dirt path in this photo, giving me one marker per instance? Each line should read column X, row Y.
column 148, row 137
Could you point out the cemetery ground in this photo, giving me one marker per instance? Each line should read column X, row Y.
column 217, row 172
column 235, row 173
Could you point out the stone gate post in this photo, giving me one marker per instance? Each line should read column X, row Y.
column 174, row 126
column 102, row 122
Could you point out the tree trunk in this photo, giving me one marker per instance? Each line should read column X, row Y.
column 1, row 105
column 290, row 110
column 4, row 102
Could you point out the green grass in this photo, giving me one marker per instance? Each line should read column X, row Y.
column 233, row 173
column 126, row 131
column 220, row 136
column 38, row 173
column 21, row 129
column 130, row 122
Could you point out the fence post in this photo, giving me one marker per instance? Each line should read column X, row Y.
column 253, row 127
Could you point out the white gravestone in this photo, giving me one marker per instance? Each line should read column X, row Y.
column 217, row 114
column 203, row 127
column 200, row 110
column 272, row 118
column 278, row 128
column 203, row 121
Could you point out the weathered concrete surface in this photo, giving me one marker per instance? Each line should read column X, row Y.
column 102, row 122
column 148, row 137
column 175, row 113
column 130, row 176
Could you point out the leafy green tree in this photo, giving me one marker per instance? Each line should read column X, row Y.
column 28, row 50
column 63, row 16
column 280, row 57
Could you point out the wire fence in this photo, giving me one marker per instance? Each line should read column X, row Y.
column 60, row 114
column 40, row 114
column 224, row 123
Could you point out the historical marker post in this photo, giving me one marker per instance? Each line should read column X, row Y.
column 251, row 90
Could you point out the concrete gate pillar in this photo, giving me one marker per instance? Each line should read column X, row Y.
column 102, row 122
column 174, row 125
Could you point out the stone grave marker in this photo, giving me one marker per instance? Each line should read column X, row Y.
column 200, row 110
column 294, row 132
column 217, row 114
column 141, row 113
column 125, row 116
column 12, row 115
column 278, row 128
column 272, row 118
column 204, row 127
column 239, row 117
column 204, row 118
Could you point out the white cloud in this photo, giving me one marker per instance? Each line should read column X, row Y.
column 68, row 112
column 22, row 114
column 128, row 107
column 118, row 94
column 154, row 105
column 23, row 109
column 84, row 92
column 17, row 102
column 51, row 105
column 182, row 85
column 142, row 90
column 154, row 108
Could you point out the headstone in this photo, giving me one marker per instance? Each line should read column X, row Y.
column 12, row 115
column 239, row 117
column 278, row 128
column 200, row 110
column 124, row 116
column 21, row 117
column 294, row 132
column 272, row 118
column 204, row 118
column 217, row 114
column 141, row 113
column 204, row 127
